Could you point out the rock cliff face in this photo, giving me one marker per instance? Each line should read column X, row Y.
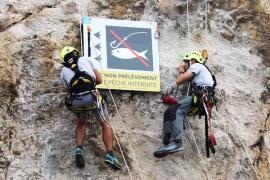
column 37, row 131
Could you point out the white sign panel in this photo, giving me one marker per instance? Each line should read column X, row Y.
column 127, row 52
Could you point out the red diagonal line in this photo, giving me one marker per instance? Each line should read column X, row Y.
column 136, row 54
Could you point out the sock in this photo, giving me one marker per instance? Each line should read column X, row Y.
column 166, row 139
column 79, row 146
column 110, row 153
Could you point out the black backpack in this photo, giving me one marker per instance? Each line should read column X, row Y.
column 213, row 77
column 81, row 82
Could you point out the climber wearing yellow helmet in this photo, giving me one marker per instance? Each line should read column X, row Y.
column 194, row 71
column 80, row 76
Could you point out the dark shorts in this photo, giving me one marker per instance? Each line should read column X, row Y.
column 86, row 100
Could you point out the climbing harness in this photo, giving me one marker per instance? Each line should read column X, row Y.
column 101, row 106
column 81, row 84
column 202, row 106
column 205, row 102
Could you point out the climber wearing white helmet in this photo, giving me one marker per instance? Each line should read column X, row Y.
column 80, row 76
column 194, row 71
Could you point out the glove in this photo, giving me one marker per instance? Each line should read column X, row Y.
column 168, row 99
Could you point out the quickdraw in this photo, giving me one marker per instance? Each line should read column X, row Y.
column 210, row 140
column 157, row 34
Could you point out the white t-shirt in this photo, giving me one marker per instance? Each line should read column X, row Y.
column 202, row 75
column 84, row 64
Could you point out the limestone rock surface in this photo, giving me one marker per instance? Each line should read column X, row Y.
column 37, row 133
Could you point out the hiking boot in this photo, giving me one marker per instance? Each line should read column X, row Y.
column 112, row 161
column 168, row 149
column 161, row 152
column 79, row 157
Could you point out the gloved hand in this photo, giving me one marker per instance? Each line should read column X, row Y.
column 168, row 99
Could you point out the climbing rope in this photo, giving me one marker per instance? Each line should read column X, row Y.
column 193, row 135
column 113, row 129
column 248, row 154
column 197, row 147
column 120, row 148
column 206, row 23
column 172, row 3
column 188, row 26
column 188, row 37
column 121, row 120
column 122, row 123
column 241, row 139
column 82, row 12
column 110, row 124
column 114, row 132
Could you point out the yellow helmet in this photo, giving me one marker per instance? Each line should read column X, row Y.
column 66, row 50
column 194, row 55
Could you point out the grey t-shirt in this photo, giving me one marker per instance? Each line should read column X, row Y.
column 84, row 64
column 202, row 75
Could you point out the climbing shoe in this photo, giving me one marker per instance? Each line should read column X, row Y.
column 79, row 156
column 168, row 149
column 112, row 161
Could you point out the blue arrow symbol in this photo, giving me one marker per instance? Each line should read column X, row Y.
column 98, row 46
column 97, row 35
column 98, row 58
